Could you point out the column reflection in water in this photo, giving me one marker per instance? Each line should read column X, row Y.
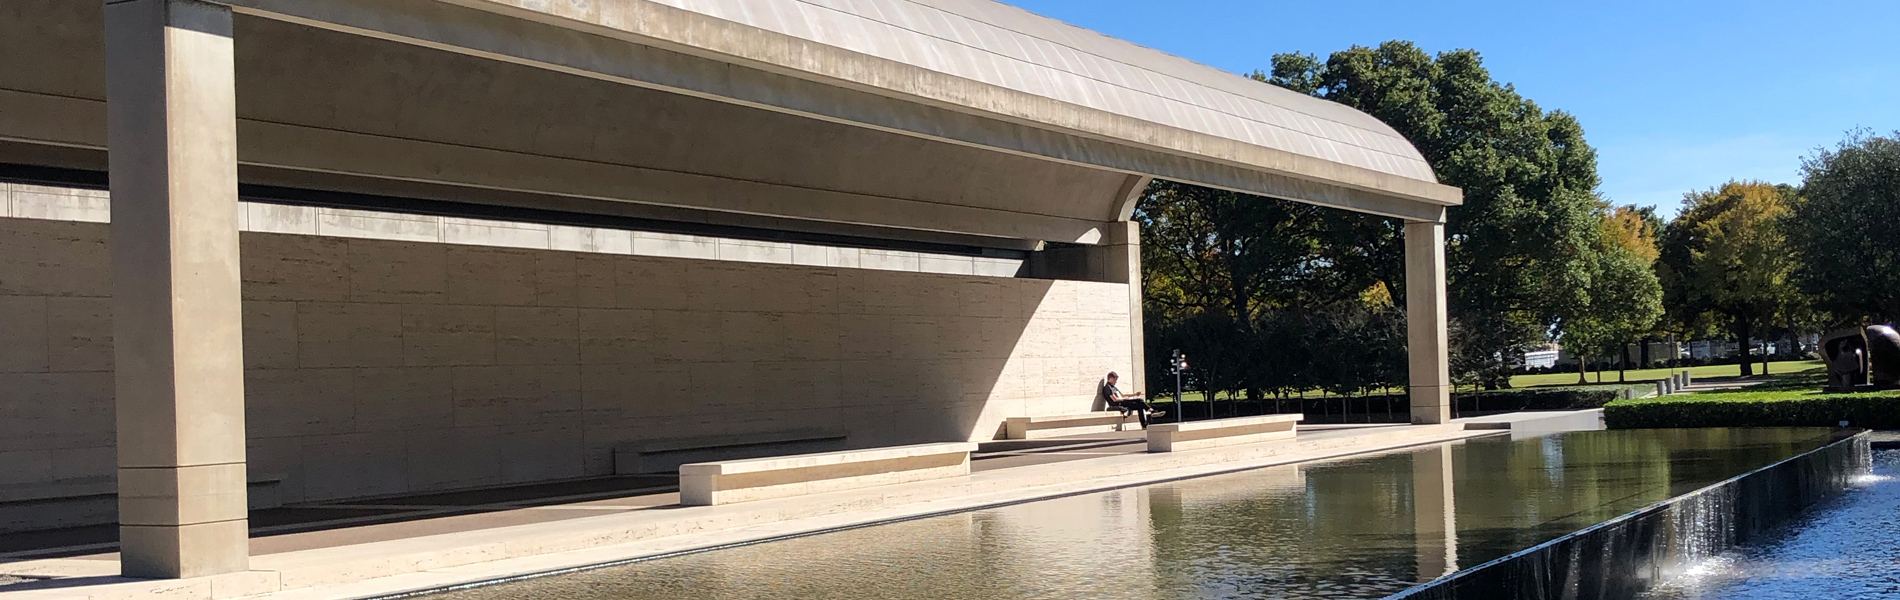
column 1434, row 512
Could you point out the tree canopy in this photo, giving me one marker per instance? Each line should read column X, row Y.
column 1277, row 297
column 1624, row 301
column 1269, row 295
column 1845, row 227
column 1725, row 260
column 1519, row 249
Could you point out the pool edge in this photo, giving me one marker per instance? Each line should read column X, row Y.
column 1622, row 557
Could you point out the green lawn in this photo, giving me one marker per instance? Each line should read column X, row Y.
column 1165, row 394
column 1774, row 368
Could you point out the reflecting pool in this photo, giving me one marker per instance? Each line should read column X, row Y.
column 1363, row 527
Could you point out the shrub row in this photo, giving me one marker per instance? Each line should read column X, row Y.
column 1872, row 411
column 1397, row 408
column 1552, row 398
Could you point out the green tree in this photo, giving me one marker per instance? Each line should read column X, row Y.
column 1251, row 287
column 1726, row 262
column 1625, row 297
column 1518, row 250
column 1846, row 228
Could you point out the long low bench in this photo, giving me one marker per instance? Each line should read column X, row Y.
column 1194, row 435
column 663, row 455
column 93, row 501
column 712, row 483
column 1048, row 426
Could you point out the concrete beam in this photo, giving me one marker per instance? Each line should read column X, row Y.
column 1427, row 343
column 352, row 162
column 177, row 337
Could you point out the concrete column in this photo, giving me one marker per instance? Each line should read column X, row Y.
column 172, row 126
column 1428, row 346
column 1121, row 253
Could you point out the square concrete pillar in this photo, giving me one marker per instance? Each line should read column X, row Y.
column 1121, row 249
column 1428, row 346
column 177, row 339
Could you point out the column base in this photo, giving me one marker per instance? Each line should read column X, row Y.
column 1431, row 405
column 181, row 551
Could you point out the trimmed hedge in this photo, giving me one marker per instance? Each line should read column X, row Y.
column 1550, row 398
column 1872, row 411
column 1397, row 408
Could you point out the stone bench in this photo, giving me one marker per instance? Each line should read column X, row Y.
column 663, row 455
column 1048, row 426
column 712, row 483
column 1194, row 435
column 94, row 501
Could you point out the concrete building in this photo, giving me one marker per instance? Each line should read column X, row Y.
column 487, row 241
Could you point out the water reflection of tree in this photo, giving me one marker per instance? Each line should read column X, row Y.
column 1513, row 495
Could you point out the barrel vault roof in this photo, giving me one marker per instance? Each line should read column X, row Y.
column 1009, row 47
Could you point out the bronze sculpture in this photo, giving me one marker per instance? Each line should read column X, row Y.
column 1862, row 359
column 1883, row 356
column 1843, row 352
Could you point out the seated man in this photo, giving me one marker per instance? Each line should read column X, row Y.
column 1126, row 403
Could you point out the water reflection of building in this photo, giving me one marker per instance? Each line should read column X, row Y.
column 1317, row 530
column 1087, row 546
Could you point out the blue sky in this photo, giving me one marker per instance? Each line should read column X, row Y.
column 1675, row 95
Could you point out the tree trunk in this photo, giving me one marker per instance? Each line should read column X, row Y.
column 1748, row 360
column 1623, row 368
column 1583, row 370
column 1765, row 358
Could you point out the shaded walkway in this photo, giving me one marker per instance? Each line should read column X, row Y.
column 306, row 526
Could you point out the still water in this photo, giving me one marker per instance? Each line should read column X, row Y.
column 1845, row 549
column 1364, row 527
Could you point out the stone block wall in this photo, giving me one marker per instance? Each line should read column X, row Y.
column 380, row 366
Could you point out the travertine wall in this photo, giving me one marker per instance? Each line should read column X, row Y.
column 377, row 367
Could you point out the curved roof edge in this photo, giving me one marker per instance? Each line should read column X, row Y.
column 975, row 57
column 1005, row 46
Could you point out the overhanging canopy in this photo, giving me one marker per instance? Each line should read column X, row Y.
column 935, row 117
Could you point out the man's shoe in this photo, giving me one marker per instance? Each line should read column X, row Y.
column 1157, row 414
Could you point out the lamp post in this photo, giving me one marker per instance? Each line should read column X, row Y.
column 1675, row 354
column 1178, row 364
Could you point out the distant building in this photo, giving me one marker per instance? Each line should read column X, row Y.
column 1541, row 359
